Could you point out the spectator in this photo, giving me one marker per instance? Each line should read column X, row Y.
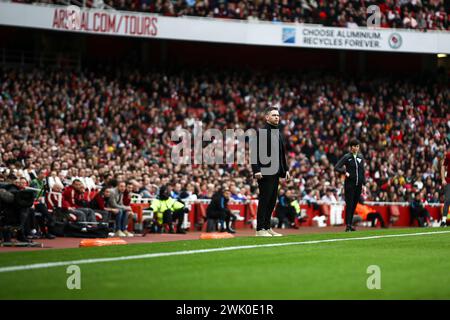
column 236, row 195
column 39, row 183
column 329, row 196
column 117, row 199
column 73, row 202
column 311, row 198
column 99, row 204
column 53, row 199
column 188, row 194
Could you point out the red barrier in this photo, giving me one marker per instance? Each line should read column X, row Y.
column 404, row 217
column 242, row 210
column 200, row 216
column 138, row 208
column 435, row 212
column 191, row 216
column 399, row 215
column 252, row 211
column 310, row 214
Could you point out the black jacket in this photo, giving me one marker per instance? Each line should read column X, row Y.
column 355, row 167
column 218, row 204
column 22, row 198
column 283, row 167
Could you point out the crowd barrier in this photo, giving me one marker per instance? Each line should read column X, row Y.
column 396, row 214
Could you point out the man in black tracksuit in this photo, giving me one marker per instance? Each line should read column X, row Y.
column 355, row 179
column 269, row 172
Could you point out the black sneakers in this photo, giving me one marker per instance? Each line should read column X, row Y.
column 349, row 229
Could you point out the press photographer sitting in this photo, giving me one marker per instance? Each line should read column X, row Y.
column 15, row 210
column 41, row 215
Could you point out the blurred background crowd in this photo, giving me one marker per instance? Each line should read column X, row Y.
column 97, row 125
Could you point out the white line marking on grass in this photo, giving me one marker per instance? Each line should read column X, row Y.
column 186, row 252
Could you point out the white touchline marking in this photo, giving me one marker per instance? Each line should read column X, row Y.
column 186, row 252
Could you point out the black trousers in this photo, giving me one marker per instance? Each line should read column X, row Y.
column 373, row 216
column 170, row 217
column 221, row 215
column 21, row 217
column 106, row 215
column 44, row 219
column 446, row 200
column 268, row 194
column 285, row 215
column 352, row 195
column 419, row 214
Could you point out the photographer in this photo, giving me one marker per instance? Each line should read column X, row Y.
column 16, row 203
column 43, row 217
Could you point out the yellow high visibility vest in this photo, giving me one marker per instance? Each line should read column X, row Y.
column 296, row 206
column 160, row 206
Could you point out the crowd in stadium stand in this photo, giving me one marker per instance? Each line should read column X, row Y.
column 409, row 14
column 96, row 127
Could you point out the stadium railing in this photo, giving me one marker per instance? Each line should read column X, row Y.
column 396, row 212
column 334, row 211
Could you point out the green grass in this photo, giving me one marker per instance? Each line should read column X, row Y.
column 413, row 267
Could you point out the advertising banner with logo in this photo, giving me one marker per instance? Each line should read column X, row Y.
column 133, row 24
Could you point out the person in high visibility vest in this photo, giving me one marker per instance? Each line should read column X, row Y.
column 296, row 205
column 166, row 210
column 367, row 213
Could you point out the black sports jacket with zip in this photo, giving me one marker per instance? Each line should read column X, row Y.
column 354, row 166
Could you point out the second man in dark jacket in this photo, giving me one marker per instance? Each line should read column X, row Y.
column 354, row 181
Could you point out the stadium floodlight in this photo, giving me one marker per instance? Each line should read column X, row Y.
column 441, row 55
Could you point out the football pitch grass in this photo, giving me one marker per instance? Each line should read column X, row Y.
column 413, row 264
